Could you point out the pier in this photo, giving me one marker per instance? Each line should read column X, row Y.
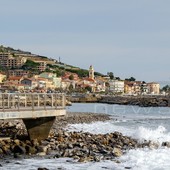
column 37, row 110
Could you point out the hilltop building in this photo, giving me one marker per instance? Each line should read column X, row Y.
column 91, row 72
column 8, row 60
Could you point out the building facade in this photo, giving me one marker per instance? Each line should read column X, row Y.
column 8, row 60
column 91, row 72
column 153, row 88
column 116, row 86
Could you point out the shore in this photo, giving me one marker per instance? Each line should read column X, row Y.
column 141, row 100
column 81, row 146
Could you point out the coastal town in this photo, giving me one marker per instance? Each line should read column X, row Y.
column 25, row 72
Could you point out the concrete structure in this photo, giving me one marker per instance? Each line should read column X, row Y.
column 11, row 61
column 135, row 88
column 116, row 86
column 153, row 88
column 38, row 110
column 15, row 80
column 2, row 77
column 91, row 72
column 42, row 66
column 18, row 72
column 53, row 81
column 30, row 83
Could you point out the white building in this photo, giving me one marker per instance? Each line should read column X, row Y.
column 116, row 86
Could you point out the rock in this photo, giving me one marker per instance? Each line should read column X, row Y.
column 117, row 152
column 42, row 169
column 42, row 149
column 153, row 145
column 128, row 167
column 17, row 142
column 19, row 149
column 17, row 155
column 35, row 142
column 83, row 160
column 1, row 151
column 41, row 154
column 167, row 144
column 30, row 150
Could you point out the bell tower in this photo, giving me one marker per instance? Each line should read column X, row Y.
column 91, row 72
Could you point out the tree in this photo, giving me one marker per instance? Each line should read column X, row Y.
column 166, row 88
column 88, row 88
column 29, row 65
column 71, row 77
column 117, row 78
column 131, row 79
column 71, row 87
column 111, row 75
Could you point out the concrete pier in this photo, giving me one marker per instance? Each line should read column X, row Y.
column 39, row 128
column 37, row 110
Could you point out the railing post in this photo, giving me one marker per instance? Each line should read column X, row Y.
column 18, row 102
column 8, row 100
column 45, row 98
column 3, row 102
column 63, row 100
column 38, row 98
column 55, row 100
column 52, row 99
column 13, row 100
column 25, row 100
column 32, row 98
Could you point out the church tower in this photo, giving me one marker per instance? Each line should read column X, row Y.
column 91, row 72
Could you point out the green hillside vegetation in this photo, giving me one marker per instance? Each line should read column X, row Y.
column 52, row 65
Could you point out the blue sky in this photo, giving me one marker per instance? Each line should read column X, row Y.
column 127, row 37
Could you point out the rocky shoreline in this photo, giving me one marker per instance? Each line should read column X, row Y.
column 142, row 101
column 81, row 146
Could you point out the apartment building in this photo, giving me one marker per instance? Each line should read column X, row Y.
column 10, row 61
column 18, row 72
column 154, row 88
column 42, row 66
column 116, row 86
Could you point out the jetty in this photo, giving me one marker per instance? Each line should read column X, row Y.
column 37, row 110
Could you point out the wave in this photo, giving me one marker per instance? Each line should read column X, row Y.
column 159, row 134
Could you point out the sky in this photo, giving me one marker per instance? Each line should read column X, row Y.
column 126, row 37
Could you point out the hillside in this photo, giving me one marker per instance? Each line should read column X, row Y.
column 52, row 64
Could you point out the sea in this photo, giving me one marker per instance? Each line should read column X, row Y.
column 141, row 123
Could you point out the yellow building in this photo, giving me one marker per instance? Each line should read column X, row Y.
column 153, row 88
column 2, row 77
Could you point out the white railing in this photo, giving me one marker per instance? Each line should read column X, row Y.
column 31, row 101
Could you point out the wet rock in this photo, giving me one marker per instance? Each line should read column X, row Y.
column 19, row 149
column 117, row 152
column 17, row 155
column 30, row 150
column 41, row 154
column 17, row 142
column 42, row 169
column 167, row 144
column 42, row 149
column 153, row 145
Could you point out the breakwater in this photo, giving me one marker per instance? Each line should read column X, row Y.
column 143, row 101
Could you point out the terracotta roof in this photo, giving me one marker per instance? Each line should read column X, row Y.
column 15, row 78
column 88, row 79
